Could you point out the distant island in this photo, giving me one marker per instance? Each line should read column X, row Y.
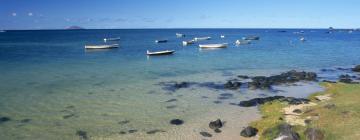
column 74, row 28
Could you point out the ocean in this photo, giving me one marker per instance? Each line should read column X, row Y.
column 52, row 88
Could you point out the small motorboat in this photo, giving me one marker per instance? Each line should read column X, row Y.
column 251, row 38
column 185, row 43
column 180, row 35
column 161, row 41
column 222, row 36
column 201, row 38
column 102, row 46
column 111, row 39
column 166, row 52
column 212, row 46
column 242, row 42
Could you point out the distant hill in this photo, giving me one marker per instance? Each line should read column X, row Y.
column 74, row 28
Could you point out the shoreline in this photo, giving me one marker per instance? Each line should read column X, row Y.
column 318, row 119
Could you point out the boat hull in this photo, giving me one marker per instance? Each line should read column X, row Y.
column 213, row 46
column 101, row 46
column 168, row 52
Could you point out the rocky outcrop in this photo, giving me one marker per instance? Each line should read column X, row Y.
column 216, row 124
column 259, row 101
column 232, row 85
column 249, row 132
column 356, row 68
column 262, row 82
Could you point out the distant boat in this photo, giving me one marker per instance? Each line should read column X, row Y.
column 201, row 38
column 161, row 41
column 2, row 31
column 180, row 35
column 102, row 46
column 242, row 42
column 185, row 43
column 222, row 36
column 166, row 52
column 111, row 39
column 302, row 39
column 212, row 46
column 251, row 38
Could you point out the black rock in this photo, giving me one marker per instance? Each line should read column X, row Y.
column 287, row 132
column 346, row 80
column 205, row 134
column 181, row 85
column 314, row 134
column 259, row 101
column 297, row 111
column 133, row 131
column 216, row 124
column 82, row 134
column 232, row 85
column 244, row 76
column 356, row 68
column 327, row 81
column 263, row 82
column 249, row 132
column 176, row 122
column 4, row 119
column 217, row 130
column 122, row 132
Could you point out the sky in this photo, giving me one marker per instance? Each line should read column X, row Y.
column 118, row 14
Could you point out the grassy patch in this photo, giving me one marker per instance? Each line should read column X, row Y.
column 272, row 117
column 341, row 121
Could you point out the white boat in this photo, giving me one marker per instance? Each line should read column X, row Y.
column 210, row 46
column 101, row 46
column 166, row 52
column 185, row 43
column 161, row 41
column 180, row 35
column 242, row 42
column 222, row 36
column 2, row 31
column 302, row 39
column 111, row 39
column 202, row 38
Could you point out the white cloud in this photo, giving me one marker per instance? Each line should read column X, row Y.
column 30, row 14
column 14, row 14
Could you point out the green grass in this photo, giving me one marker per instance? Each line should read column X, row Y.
column 339, row 123
column 343, row 121
column 271, row 113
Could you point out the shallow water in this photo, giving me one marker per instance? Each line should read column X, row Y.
column 48, row 77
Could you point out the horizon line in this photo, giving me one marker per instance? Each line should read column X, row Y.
column 271, row 28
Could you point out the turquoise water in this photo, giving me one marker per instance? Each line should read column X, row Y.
column 46, row 75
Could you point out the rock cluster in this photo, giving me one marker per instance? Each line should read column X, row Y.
column 259, row 101
column 249, row 132
column 263, row 82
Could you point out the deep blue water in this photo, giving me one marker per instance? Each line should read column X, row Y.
column 20, row 50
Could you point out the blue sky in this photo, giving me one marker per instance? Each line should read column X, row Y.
column 58, row 14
